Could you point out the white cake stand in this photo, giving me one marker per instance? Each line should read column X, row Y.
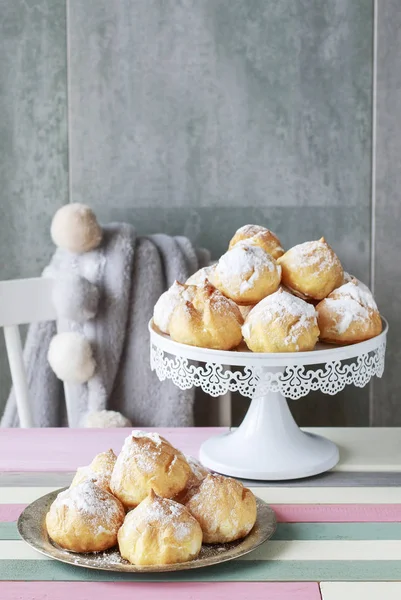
column 268, row 445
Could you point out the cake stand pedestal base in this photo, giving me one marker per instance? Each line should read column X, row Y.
column 269, row 445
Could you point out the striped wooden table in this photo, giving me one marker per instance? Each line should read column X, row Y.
column 338, row 536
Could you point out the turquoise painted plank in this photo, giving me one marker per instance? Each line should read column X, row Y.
column 338, row 531
column 336, row 570
column 8, row 531
column 296, row 531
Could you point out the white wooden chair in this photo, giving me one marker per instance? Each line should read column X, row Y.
column 23, row 301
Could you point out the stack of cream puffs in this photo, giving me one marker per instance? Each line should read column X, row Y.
column 153, row 502
column 275, row 301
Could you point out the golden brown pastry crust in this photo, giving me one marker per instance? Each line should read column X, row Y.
column 178, row 294
column 99, row 471
column 245, row 310
column 199, row 472
column 202, row 276
column 259, row 236
column 281, row 323
column 85, row 518
column 159, row 532
column 348, row 315
column 247, row 274
column 311, row 269
column 210, row 320
column 147, row 461
column 225, row 509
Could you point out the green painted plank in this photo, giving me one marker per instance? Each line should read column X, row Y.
column 336, row 570
column 8, row 531
column 296, row 531
column 338, row 531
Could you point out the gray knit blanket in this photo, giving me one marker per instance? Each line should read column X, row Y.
column 130, row 273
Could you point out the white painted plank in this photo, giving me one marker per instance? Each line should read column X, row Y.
column 23, row 495
column 329, row 495
column 327, row 550
column 19, row 550
column 274, row 550
column 365, row 448
column 271, row 495
column 355, row 590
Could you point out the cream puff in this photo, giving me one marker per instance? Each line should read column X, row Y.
column 159, row 532
column 348, row 315
column 209, row 320
column 247, row 274
column 148, row 461
column 85, row 518
column 311, row 269
column 99, row 471
column 259, row 236
column 281, row 323
column 177, row 294
column 201, row 276
column 224, row 508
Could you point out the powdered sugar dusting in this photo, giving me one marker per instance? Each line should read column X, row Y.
column 168, row 302
column 162, row 512
column 197, row 468
column 278, row 306
column 155, row 437
column 250, row 230
column 360, row 293
column 200, row 277
column 247, row 262
column 94, row 504
column 350, row 302
column 315, row 254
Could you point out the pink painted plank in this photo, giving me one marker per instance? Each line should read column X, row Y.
column 10, row 512
column 152, row 591
column 337, row 513
column 293, row 513
column 64, row 449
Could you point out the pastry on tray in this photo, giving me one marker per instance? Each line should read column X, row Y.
column 225, row 509
column 99, row 471
column 348, row 315
column 247, row 274
column 281, row 323
column 148, row 461
column 209, row 320
column 311, row 270
column 259, row 236
column 85, row 518
column 174, row 505
column 159, row 532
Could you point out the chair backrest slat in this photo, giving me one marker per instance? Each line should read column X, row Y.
column 23, row 301
column 26, row 301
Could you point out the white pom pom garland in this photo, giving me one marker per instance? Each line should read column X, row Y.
column 75, row 298
column 70, row 357
column 75, row 228
column 106, row 418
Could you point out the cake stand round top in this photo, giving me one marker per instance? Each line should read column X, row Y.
column 322, row 353
column 268, row 445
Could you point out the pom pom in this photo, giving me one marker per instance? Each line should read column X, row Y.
column 70, row 357
column 106, row 418
column 75, row 298
column 75, row 228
